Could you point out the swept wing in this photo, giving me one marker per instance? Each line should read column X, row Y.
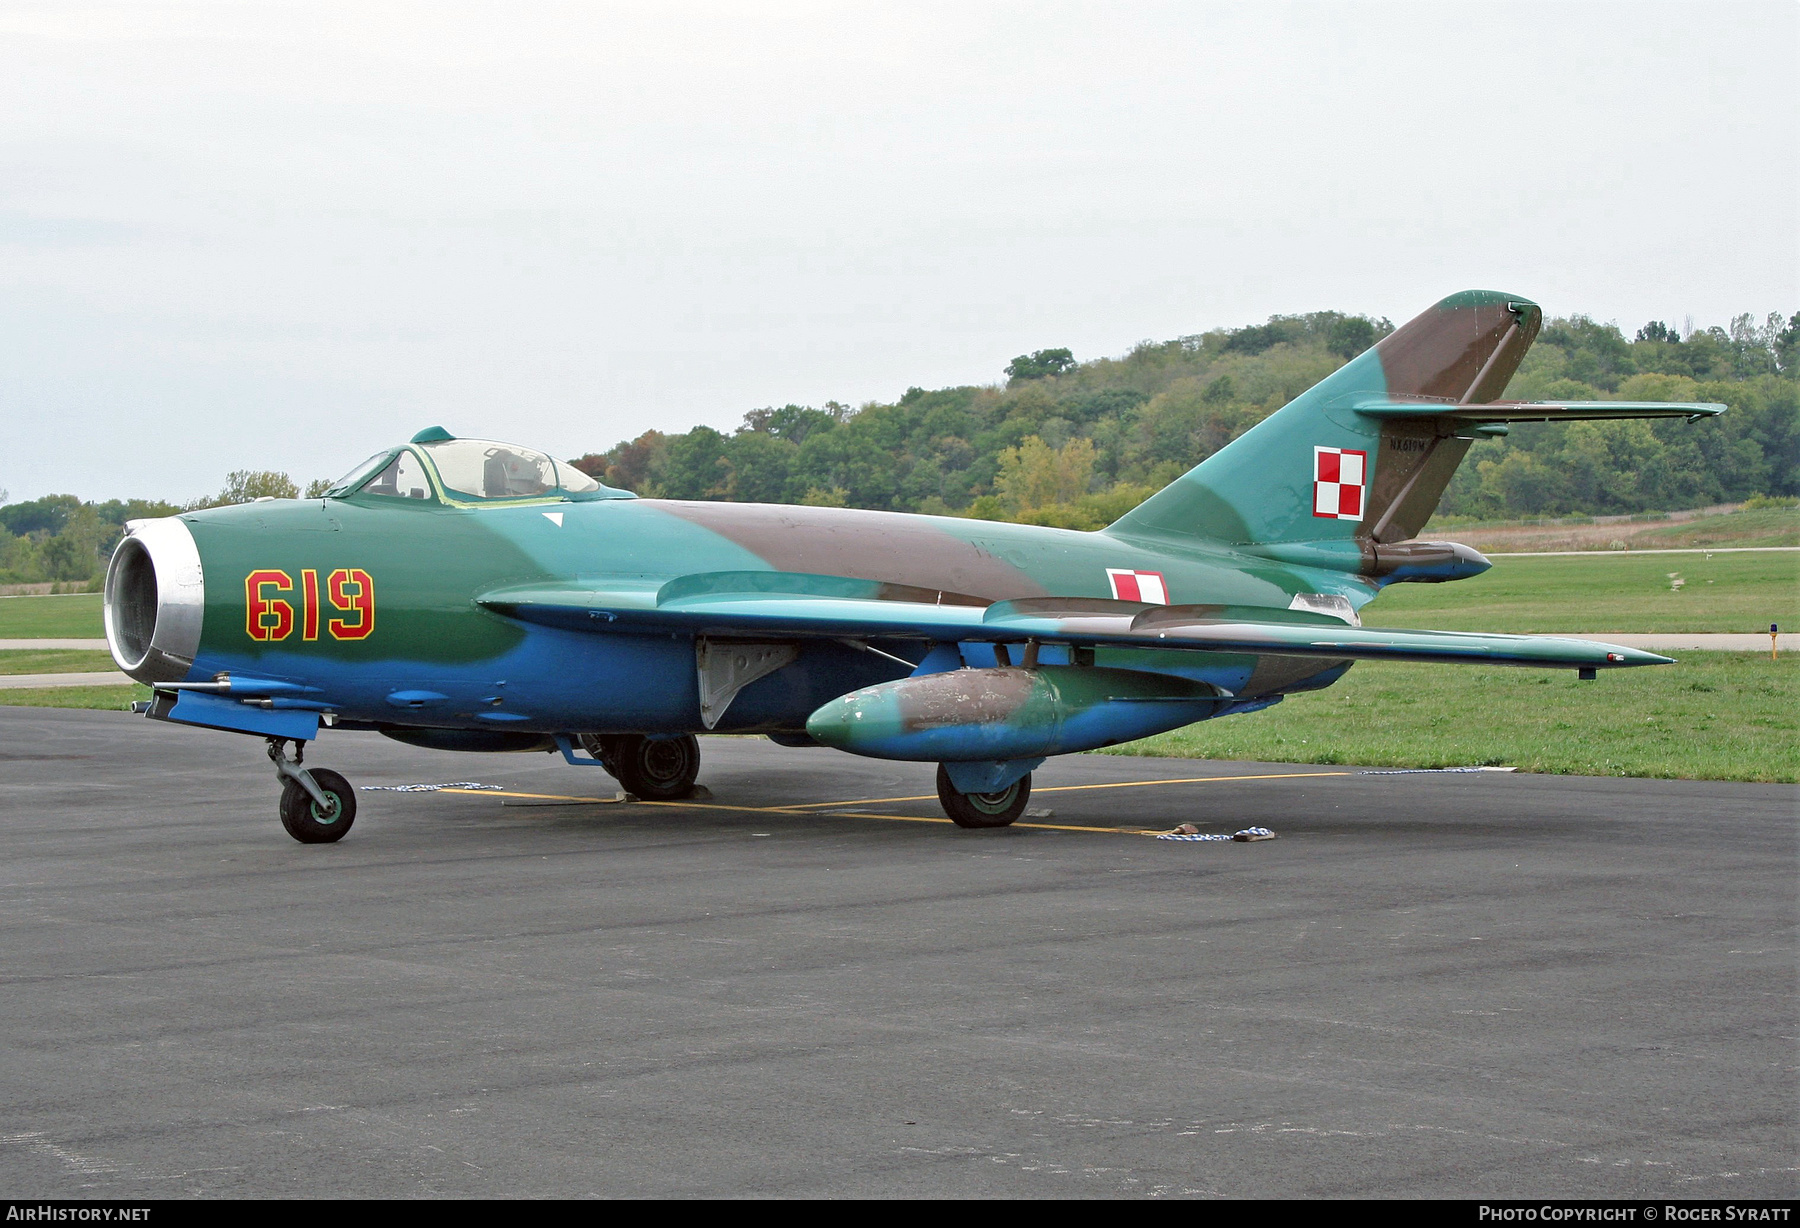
column 1079, row 621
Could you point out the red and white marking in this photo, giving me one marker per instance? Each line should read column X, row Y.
column 1138, row 586
column 1339, row 475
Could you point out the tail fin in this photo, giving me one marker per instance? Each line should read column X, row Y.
column 1361, row 458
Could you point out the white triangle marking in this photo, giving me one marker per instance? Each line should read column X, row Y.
column 554, row 518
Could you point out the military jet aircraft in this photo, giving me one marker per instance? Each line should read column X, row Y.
column 471, row 595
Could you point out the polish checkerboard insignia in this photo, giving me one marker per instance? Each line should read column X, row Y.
column 1339, row 476
column 1144, row 586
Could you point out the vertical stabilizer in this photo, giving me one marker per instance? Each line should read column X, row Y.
column 1319, row 471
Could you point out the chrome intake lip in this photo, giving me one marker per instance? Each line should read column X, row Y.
column 155, row 601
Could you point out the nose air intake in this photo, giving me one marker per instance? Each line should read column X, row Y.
column 155, row 601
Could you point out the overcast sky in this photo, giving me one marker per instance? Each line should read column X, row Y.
column 265, row 236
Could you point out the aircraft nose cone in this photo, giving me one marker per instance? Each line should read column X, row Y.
column 155, row 600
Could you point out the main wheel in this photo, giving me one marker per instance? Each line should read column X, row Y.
column 983, row 809
column 603, row 747
column 310, row 823
column 657, row 769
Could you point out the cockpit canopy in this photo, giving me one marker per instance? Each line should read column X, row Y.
column 438, row 466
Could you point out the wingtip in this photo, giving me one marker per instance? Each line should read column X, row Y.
column 1616, row 655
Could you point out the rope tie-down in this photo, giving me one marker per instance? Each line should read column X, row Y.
column 1187, row 831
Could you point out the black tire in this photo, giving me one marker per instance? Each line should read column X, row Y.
column 657, row 769
column 604, row 748
column 983, row 809
column 302, row 816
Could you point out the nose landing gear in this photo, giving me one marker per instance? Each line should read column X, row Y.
column 317, row 805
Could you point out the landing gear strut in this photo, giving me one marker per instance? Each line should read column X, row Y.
column 997, row 809
column 317, row 805
column 655, row 769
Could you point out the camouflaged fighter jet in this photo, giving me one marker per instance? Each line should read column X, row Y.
column 470, row 595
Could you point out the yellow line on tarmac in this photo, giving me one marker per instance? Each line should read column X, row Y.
column 547, row 797
column 682, row 805
column 799, row 814
column 899, row 818
column 789, row 810
column 1123, row 784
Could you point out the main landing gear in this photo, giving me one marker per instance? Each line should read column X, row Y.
column 317, row 805
column 655, row 769
column 997, row 809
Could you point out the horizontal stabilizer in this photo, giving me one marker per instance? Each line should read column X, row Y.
column 1083, row 622
column 1538, row 411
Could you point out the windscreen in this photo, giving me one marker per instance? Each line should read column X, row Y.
column 350, row 481
column 404, row 478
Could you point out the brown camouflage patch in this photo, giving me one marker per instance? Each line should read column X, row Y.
column 964, row 697
column 1275, row 673
column 894, row 548
column 1459, row 353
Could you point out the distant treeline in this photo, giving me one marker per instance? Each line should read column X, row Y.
column 60, row 537
column 1078, row 444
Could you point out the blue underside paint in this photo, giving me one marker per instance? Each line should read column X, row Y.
column 941, row 658
column 1450, row 569
column 218, row 712
column 988, row 776
column 560, row 681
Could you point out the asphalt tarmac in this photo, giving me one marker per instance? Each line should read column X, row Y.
column 1453, row 985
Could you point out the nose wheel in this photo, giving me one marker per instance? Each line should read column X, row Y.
column 317, row 805
column 311, row 823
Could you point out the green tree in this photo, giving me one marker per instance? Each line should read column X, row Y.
column 690, row 466
column 1787, row 347
column 118, row 511
column 1350, row 336
column 1039, row 365
column 19, row 563
column 1035, row 475
column 74, row 553
column 756, row 467
column 249, row 485
column 794, row 422
column 627, row 465
column 39, row 517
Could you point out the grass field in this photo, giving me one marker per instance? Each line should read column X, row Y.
column 115, row 698
column 32, row 618
column 1712, row 716
column 54, row 661
column 1762, row 526
column 1596, row 593
column 1767, row 526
